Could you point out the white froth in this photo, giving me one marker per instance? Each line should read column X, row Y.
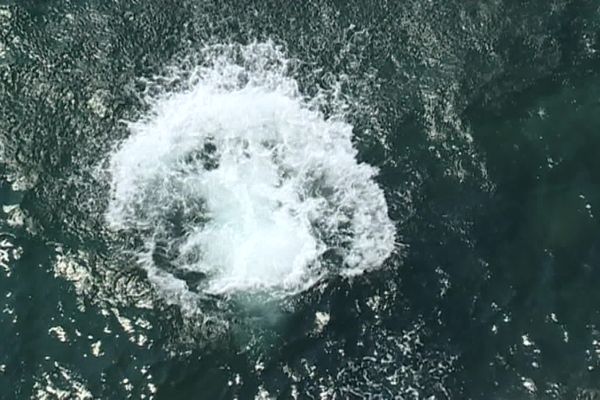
column 240, row 180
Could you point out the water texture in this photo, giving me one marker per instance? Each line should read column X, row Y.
column 309, row 199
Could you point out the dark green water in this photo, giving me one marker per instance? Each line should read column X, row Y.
column 484, row 121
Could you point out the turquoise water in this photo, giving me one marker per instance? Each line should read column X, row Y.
column 322, row 199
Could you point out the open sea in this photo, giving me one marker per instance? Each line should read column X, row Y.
column 312, row 199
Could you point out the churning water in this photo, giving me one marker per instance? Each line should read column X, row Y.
column 225, row 199
column 237, row 182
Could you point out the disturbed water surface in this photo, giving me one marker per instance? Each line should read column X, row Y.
column 319, row 199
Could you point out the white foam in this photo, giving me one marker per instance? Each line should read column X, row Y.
column 239, row 178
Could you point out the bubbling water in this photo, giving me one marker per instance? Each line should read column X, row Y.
column 235, row 182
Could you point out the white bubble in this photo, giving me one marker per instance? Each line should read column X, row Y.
column 237, row 182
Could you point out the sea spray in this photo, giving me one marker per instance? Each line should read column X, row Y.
column 234, row 181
